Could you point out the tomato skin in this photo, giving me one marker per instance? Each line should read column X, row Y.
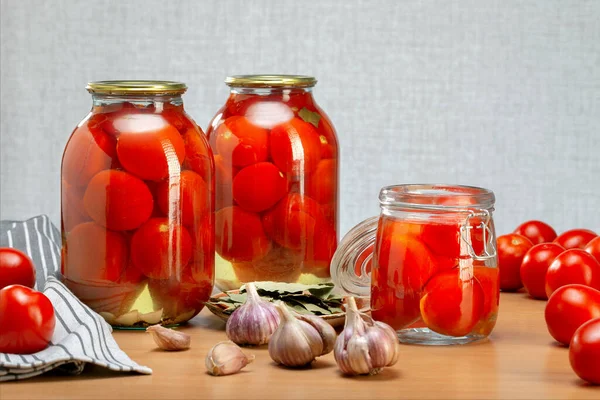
column 568, row 308
column 575, row 238
column 118, row 200
column 511, row 251
column 593, row 247
column 26, row 320
column 16, row 268
column 295, row 147
column 535, row 266
column 321, row 185
column 239, row 235
column 242, row 143
column 153, row 249
column 573, row 266
column 193, row 197
column 536, row 231
column 259, row 187
column 584, row 351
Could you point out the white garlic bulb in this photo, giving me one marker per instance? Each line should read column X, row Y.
column 365, row 346
column 253, row 322
column 226, row 358
column 300, row 339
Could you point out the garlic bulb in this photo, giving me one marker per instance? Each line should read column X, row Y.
column 168, row 339
column 226, row 358
column 365, row 346
column 253, row 322
column 300, row 339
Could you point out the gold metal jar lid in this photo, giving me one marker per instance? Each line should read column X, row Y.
column 136, row 87
column 271, row 81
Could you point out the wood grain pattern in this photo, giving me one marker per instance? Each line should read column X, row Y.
column 520, row 360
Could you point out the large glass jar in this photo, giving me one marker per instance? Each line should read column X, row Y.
column 276, row 163
column 138, row 206
column 428, row 263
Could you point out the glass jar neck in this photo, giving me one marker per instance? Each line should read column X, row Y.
column 99, row 100
column 271, row 91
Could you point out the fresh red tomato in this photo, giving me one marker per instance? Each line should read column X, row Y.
column 536, row 231
column 584, row 351
column 94, row 254
column 452, row 303
column 242, row 143
column 26, row 320
column 593, row 247
column 568, row 308
column 239, row 235
column 16, row 268
column 573, row 266
column 259, row 187
column 279, row 265
column 535, row 266
column 321, row 185
column 160, row 249
column 148, row 146
column 118, row 200
column 193, row 201
column 295, row 147
column 511, row 251
column 575, row 238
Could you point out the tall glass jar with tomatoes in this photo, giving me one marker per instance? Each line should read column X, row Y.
column 138, row 206
column 428, row 263
column 276, row 165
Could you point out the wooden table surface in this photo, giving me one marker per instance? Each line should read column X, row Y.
column 520, row 360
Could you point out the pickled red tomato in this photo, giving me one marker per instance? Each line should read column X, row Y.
column 444, row 242
column 295, row 147
column 73, row 210
column 87, row 153
column 489, row 280
column 259, row 187
column 118, row 200
column 397, row 308
column 203, row 241
column 177, row 117
column 161, row 249
column 239, row 235
column 193, row 200
column 279, row 265
column 197, row 153
column 452, row 305
column 184, row 293
column 322, row 184
column 320, row 249
column 292, row 221
column 242, row 143
column 95, row 254
column 148, row 146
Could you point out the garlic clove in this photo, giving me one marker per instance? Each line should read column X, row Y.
column 253, row 322
column 152, row 318
column 169, row 339
column 127, row 319
column 226, row 358
column 325, row 330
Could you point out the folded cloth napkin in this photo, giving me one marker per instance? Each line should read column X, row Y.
column 81, row 336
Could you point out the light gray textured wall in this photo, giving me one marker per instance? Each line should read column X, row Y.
column 501, row 94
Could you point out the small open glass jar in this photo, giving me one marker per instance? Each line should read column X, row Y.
column 276, row 163
column 138, row 206
column 428, row 263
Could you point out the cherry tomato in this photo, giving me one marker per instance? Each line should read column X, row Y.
column 94, row 254
column 118, row 200
column 279, row 265
column 193, row 201
column 511, row 251
column 239, row 235
column 242, row 143
column 295, row 147
column 584, row 351
column 568, row 308
column 535, row 266
column 593, row 247
column 259, row 187
column 322, row 185
column 148, row 146
column 16, row 268
column 575, row 238
column 536, row 231
column 452, row 304
column 26, row 320
column 160, row 249
column 573, row 266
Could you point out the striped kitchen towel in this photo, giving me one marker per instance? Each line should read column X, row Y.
column 81, row 336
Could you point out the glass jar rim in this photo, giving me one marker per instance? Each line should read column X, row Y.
column 136, row 87
column 441, row 197
column 271, row 81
